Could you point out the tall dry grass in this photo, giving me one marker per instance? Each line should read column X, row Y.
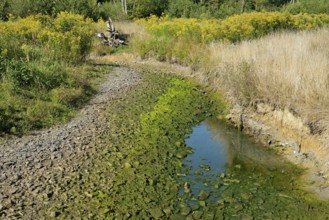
column 285, row 69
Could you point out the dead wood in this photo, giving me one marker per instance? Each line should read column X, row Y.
column 113, row 38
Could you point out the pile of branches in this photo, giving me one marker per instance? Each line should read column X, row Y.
column 113, row 38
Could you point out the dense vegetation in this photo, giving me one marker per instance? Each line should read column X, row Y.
column 41, row 47
column 44, row 79
column 138, row 172
column 122, row 9
column 39, row 82
column 178, row 39
column 227, row 56
column 39, row 43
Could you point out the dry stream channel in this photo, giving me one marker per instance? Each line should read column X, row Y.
column 159, row 152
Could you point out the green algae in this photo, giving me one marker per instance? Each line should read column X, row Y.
column 137, row 172
column 134, row 172
column 256, row 184
column 153, row 186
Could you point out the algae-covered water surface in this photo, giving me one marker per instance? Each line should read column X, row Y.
column 229, row 176
column 150, row 167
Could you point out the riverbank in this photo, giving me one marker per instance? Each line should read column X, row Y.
column 36, row 167
column 279, row 129
column 122, row 156
column 106, row 161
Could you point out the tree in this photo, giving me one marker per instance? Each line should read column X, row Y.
column 308, row 6
column 4, row 10
column 124, row 6
column 180, row 8
column 145, row 8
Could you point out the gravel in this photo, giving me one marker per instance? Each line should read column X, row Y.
column 33, row 167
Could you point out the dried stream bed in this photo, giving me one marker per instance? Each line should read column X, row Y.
column 123, row 158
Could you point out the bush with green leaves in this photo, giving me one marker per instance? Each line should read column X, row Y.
column 25, row 8
column 178, row 39
column 38, row 54
column 308, row 6
column 112, row 9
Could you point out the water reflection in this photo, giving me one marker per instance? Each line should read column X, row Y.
column 231, row 175
column 239, row 148
column 222, row 147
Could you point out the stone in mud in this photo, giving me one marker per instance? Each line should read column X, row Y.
column 195, row 207
column 178, row 143
column 181, row 154
column 245, row 196
column 222, row 175
column 217, row 185
column 178, row 217
column 127, row 165
column 185, row 210
column 156, row 213
column 203, row 195
column 12, row 190
column 205, row 167
column 186, row 186
column 206, row 184
column 209, row 216
column 202, row 203
column 167, row 211
column 197, row 215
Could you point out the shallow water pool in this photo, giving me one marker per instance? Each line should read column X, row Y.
column 230, row 175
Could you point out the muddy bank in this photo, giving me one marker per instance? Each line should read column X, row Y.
column 288, row 135
column 34, row 168
column 122, row 156
column 299, row 141
column 117, row 158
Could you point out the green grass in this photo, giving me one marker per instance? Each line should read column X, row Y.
column 41, row 95
column 43, row 78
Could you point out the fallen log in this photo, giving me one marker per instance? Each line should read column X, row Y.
column 113, row 38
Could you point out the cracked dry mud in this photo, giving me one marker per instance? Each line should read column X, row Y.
column 33, row 168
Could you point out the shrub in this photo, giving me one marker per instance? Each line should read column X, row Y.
column 35, row 54
column 114, row 10
column 145, row 8
column 25, row 8
column 307, row 6
column 4, row 10
column 166, row 37
column 72, row 38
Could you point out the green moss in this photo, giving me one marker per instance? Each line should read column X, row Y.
column 153, row 184
column 135, row 172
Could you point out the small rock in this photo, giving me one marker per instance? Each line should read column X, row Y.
column 17, row 177
column 39, row 166
column 156, row 213
column 12, row 190
column 203, row 195
column 185, row 211
column 167, row 210
column 197, row 215
column 205, row 167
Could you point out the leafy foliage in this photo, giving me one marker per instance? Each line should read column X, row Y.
column 36, row 54
column 307, row 6
column 176, row 39
column 24, row 8
column 145, row 8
